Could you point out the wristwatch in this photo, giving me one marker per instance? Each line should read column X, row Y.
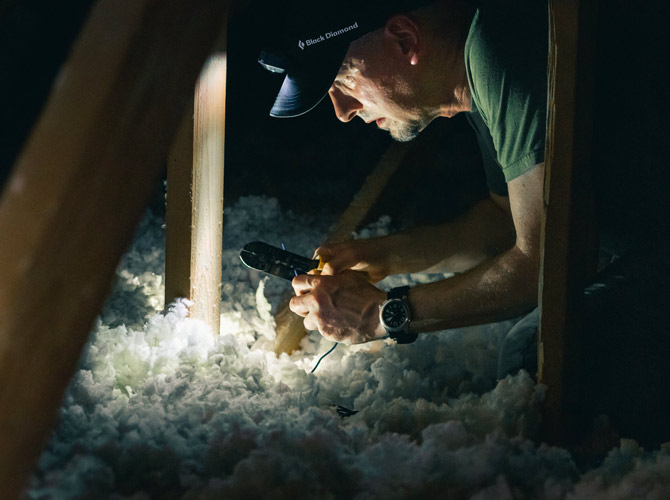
column 395, row 315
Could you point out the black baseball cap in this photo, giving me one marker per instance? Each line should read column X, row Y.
column 308, row 41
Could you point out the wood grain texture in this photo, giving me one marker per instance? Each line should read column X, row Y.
column 179, row 213
column 194, row 214
column 76, row 194
column 207, row 219
column 569, row 247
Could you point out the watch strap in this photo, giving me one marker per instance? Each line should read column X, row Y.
column 404, row 338
column 401, row 292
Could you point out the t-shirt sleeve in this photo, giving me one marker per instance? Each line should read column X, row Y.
column 495, row 180
column 506, row 54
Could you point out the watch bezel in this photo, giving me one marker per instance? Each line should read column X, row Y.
column 399, row 329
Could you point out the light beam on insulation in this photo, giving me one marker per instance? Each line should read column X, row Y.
column 161, row 408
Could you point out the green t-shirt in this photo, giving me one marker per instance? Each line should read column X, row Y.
column 506, row 65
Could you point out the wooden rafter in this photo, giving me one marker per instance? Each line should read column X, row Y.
column 76, row 194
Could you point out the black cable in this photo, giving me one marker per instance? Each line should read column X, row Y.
column 317, row 363
column 341, row 410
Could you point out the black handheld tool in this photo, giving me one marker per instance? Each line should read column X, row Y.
column 276, row 261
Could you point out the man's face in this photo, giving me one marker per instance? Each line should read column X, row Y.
column 376, row 87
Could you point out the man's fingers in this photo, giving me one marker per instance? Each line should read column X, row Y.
column 299, row 306
column 328, row 269
column 304, row 301
column 340, row 262
column 324, row 252
column 337, row 257
column 303, row 283
column 309, row 323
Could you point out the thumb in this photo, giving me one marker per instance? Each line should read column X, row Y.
column 337, row 258
column 324, row 252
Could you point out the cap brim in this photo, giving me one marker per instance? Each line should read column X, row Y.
column 303, row 90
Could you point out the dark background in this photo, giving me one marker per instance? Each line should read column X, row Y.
column 314, row 162
column 310, row 163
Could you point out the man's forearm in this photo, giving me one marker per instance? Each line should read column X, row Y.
column 498, row 289
column 481, row 233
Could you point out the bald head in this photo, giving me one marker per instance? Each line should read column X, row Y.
column 408, row 72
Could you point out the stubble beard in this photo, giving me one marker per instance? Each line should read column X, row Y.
column 405, row 131
column 400, row 130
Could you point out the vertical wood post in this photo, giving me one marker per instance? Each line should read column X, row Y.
column 569, row 242
column 194, row 217
column 179, row 212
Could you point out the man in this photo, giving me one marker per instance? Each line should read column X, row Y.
column 400, row 68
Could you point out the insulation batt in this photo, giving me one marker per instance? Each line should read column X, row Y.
column 161, row 408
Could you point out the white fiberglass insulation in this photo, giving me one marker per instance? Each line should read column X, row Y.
column 161, row 408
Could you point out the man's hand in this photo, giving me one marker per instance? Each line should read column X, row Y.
column 344, row 308
column 484, row 231
column 370, row 256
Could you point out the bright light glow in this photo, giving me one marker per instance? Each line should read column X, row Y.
column 158, row 404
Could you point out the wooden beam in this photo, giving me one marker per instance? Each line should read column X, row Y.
column 179, row 213
column 76, row 193
column 290, row 328
column 569, row 244
column 194, row 218
column 369, row 194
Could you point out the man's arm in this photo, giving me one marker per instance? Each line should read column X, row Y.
column 484, row 231
column 499, row 288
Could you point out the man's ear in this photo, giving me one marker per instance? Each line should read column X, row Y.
column 403, row 33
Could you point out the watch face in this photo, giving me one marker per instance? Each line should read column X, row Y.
column 394, row 314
